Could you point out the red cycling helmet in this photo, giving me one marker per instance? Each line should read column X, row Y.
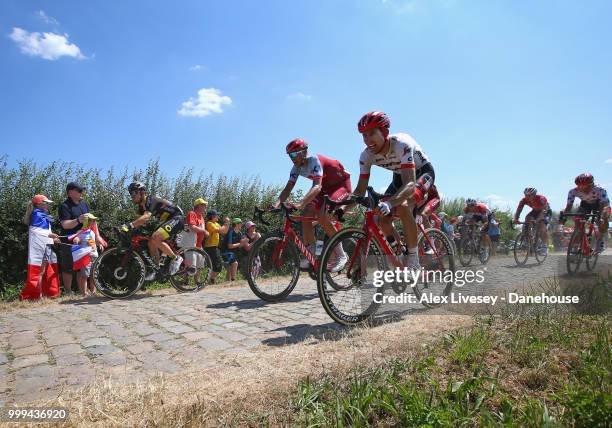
column 374, row 119
column 296, row 145
column 584, row 179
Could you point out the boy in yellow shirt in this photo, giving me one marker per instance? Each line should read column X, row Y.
column 211, row 244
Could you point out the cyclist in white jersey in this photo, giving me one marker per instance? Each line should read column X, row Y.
column 413, row 175
column 593, row 198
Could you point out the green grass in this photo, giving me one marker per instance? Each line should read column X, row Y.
column 520, row 372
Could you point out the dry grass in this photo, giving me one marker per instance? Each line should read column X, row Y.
column 257, row 384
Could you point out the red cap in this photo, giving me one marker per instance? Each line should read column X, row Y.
column 39, row 199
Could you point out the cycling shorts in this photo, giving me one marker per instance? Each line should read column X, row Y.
column 534, row 214
column 336, row 193
column 397, row 182
column 172, row 227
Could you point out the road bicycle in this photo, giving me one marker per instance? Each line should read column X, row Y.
column 584, row 240
column 121, row 271
column 529, row 243
column 471, row 244
column 352, row 295
column 273, row 265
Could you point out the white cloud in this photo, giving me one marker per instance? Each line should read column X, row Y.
column 499, row 201
column 608, row 161
column 198, row 67
column 299, row 96
column 49, row 46
column 208, row 101
column 46, row 18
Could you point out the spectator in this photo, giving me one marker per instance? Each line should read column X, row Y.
column 194, row 235
column 42, row 279
column 195, row 232
column 251, row 235
column 448, row 227
column 71, row 215
column 85, row 253
column 494, row 233
column 231, row 244
column 211, row 244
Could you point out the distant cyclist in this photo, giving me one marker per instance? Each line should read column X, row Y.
column 413, row 175
column 540, row 212
column 480, row 212
column 328, row 178
column 171, row 222
column 593, row 198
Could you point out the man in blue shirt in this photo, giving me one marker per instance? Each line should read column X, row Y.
column 494, row 233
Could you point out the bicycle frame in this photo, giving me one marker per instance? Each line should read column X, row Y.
column 585, row 248
column 371, row 228
column 136, row 244
column 288, row 232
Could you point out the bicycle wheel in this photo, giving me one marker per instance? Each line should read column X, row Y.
column 438, row 268
column 193, row 272
column 521, row 249
column 574, row 253
column 541, row 250
column 348, row 295
column 466, row 250
column 118, row 273
column 591, row 260
column 273, row 271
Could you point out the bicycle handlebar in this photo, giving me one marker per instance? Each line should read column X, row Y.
column 370, row 201
column 286, row 210
column 594, row 215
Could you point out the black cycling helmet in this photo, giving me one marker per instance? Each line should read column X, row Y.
column 136, row 186
column 530, row 191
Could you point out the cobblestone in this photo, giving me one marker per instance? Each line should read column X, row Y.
column 135, row 338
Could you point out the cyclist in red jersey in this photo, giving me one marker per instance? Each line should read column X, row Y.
column 479, row 212
column 540, row 212
column 413, row 175
column 593, row 198
column 328, row 178
column 428, row 206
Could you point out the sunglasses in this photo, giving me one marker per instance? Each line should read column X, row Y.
column 294, row 155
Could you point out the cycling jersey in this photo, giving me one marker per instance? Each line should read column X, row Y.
column 479, row 209
column 538, row 204
column 403, row 153
column 330, row 171
column 597, row 194
column 160, row 208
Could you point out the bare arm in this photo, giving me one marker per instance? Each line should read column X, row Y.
column 312, row 193
column 285, row 193
column 141, row 220
column 408, row 186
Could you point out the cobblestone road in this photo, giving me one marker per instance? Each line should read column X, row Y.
column 68, row 344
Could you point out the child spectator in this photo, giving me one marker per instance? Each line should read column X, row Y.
column 232, row 242
column 85, row 252
column 211, row 244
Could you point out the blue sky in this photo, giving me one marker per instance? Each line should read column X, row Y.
column 500, row 94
